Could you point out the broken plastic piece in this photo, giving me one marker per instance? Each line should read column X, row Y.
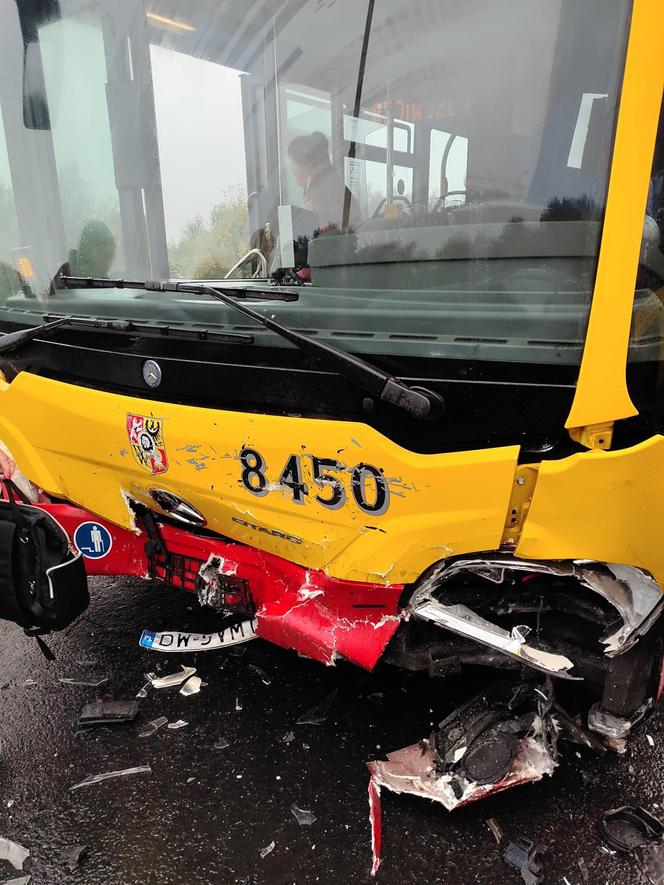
column 268, row 848
column 288, row 737
column 302, row 816
column 192, row 686
column 317, row 715
column 221, row 744
column 175, row 726
column 266, row 680
column 175, row 641
column 108, row 712
column 238, row 704
column 109, row 775
column 465, row 622
column 153, row 726
column 89, row 683
column 375, row 821
column 143, row 693
column 24, row 880
column 524, row 856
column 629, row 827
column 495, row 828
column 172, row 679
column 12, row 852
column 73, row 856
column 617, row 727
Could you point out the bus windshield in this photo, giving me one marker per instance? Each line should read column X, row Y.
column 434, row 173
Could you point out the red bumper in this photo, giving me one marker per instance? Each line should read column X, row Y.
column 318, row 616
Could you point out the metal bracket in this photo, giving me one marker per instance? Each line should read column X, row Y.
column 594, row 436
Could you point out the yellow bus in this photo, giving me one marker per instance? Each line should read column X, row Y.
column 348, row 318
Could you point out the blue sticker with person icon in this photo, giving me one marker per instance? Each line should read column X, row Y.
column 93, row 540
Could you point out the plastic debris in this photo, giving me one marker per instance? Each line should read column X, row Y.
column 302, row 816
column 88, row 683
column 495, row 828
column 153, row 726
column 174, row 726
column 629, row 827
column 375, row 698
column 650, row 740
column 221, row 744
column 238, row 704
column 73, row 856
column 143, row 693
column 317, row 715
column 109, row 775
column 288, row 737
column 108, row 712
column 24, row 880
column 524, row 856
column 192, row 686
column 12, row 852
column 176, row 641
column 265, row 679
column 173, row 679
column 29, row 682
column 584, row 869
column 268, row 848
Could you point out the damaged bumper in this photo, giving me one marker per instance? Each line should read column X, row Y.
column 633, row 594
column 304, row 609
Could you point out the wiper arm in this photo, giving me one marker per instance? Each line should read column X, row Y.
column 417, row 401
column 17, row 339
column 248, row 292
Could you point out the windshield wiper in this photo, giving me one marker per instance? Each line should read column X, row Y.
column 246, row 291
column 417, row 401
column 15, row 339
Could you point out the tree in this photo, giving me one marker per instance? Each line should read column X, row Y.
column 208, row 249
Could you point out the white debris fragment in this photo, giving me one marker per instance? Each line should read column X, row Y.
column 143, row 692
column 193, row 686
column 238, row 704
column 302, row 816
column 172, row 679
column 108, row 775
column 650, row 740
column 317, row 715
column 12, row 852
column 88, row 683
column 265, row 679
column 174, row 726
column 268, row 848
column 153, row 726
column 495, row 828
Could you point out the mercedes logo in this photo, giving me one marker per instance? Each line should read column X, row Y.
column 152, row 373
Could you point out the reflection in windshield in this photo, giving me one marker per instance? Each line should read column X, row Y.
column 436, row 172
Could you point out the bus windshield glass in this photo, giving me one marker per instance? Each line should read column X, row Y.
column 433, row 174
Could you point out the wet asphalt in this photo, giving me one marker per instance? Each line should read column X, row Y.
column 205, row 811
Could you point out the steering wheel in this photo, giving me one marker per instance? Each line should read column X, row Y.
column 440, row 202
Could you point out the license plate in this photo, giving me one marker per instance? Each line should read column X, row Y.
column 175, row 640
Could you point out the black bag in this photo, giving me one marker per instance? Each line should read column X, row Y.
column 43, row 583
